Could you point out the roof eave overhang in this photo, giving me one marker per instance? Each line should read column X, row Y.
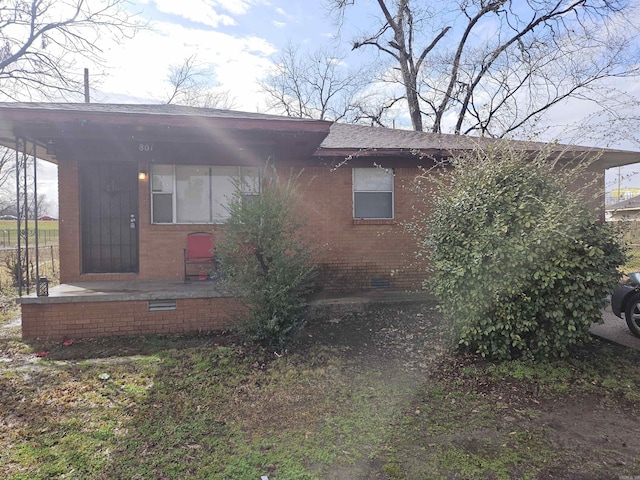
column 380, row 152
column 622, row 210
column 43, row 127
column 617, row 158
column 604, row 158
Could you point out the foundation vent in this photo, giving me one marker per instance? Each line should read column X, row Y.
column 380, row 283
column 162, row 305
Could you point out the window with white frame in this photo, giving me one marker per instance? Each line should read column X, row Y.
column 373, row 193
column 198, row 193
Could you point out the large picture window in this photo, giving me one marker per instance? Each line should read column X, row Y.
column 196, row 193
column 373, row 193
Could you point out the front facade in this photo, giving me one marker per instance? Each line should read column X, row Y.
column 134, row 181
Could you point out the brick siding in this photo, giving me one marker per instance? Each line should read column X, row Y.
column 356, row 254
column 351, row 253
column 62, row 321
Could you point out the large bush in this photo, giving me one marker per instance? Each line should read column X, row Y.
column 520, row 264
column 265, row 257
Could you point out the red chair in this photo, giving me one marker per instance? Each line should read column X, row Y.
column 199, row 253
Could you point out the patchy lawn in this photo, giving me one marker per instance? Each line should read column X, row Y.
column 368, row 395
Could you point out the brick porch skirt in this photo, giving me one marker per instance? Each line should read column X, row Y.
column 88, row 319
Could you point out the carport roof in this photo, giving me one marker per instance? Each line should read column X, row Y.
column 46, row 122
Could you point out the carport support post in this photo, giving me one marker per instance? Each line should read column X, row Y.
column 22, row 210
column 25, row 209
column 35, row 213
column 19, row 266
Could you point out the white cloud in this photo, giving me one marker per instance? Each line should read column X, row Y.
column 140, row 66
column 238, row 7
column 200, row 11
column 287, row 15
column 278, row 24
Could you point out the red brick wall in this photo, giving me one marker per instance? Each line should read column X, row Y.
column 69, row 222
column 350, row 252
column 162, row 246
column 62, row 321
column 161, row 249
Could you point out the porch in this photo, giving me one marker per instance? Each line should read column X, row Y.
column 93, row 309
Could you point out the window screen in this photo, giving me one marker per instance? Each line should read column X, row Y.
column 193, row 190
column 372, row 193
column 162, row 193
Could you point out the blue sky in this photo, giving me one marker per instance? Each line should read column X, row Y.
column 234, row 38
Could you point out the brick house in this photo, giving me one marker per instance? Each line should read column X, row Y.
column 135, row 180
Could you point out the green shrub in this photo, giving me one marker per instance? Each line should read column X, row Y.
column 265, row 257
column 519, row 262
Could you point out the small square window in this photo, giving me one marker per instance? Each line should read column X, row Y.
column 373, row 193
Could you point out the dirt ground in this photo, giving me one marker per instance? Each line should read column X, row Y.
column 595, row 436
column 450, row 402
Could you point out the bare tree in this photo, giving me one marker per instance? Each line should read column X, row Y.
column 194, row 86
column 41, row 42
column 494, row 66
column 8, row 200
column 318, row 85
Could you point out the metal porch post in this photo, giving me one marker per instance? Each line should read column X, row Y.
column 18, row 226
column 35, row 213
column 25, row 209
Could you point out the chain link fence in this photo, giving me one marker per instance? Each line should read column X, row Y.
column 48, row 266
column 9, row 237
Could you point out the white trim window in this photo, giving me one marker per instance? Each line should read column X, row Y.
column 373, row 193
column 198, row 193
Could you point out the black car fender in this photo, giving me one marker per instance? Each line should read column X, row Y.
column 620, row 296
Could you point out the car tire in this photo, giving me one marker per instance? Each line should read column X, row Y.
column 632, row 314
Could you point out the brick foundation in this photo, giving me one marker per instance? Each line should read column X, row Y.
column 74, row 320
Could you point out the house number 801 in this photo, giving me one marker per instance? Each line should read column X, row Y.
column 145, row 147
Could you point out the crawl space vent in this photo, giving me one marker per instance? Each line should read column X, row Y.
column 380, row 282
column 162, row 305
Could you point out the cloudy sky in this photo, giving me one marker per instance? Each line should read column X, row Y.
column 236, row 41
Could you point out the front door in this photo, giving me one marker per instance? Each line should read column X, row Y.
column 109, row 217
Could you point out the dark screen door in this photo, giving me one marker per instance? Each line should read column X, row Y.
column 109, row 217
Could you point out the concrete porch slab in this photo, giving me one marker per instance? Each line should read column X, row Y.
column 80, row 292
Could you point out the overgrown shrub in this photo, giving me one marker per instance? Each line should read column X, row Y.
column 264, row 256
column 519, row 262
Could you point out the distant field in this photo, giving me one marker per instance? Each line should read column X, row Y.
column 47, row 240
column 47, row 232
column 48, row 264
column 42, row 224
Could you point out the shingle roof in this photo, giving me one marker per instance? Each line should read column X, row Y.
column 144, row 109
column 49, row 123
column 344, row 136
column 342, row 140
